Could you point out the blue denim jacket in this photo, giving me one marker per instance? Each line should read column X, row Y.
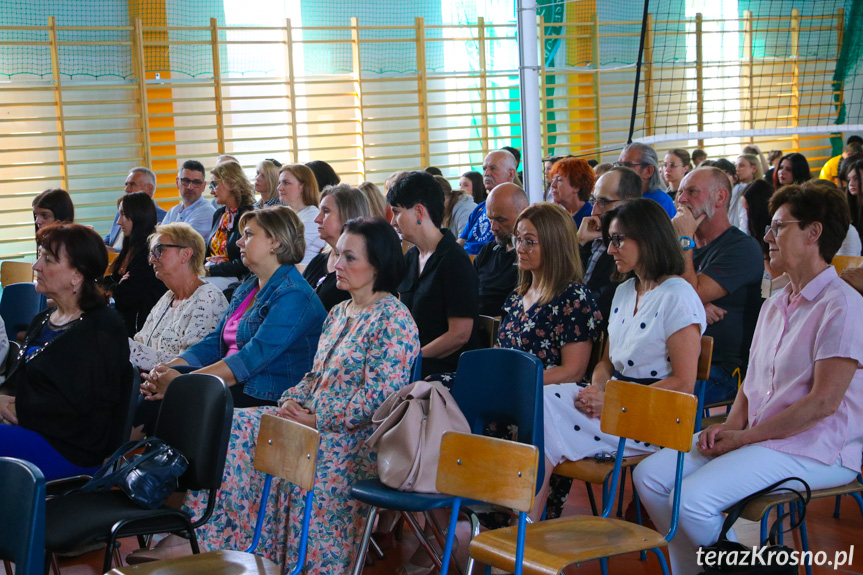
column 277, row 336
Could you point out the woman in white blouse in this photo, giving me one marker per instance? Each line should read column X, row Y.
column 298, row 189
column 189, row 310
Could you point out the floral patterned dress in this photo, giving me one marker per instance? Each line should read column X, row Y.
column 360, row 361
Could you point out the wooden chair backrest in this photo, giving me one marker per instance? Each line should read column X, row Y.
column 842, row 263
column 649, row 414
column 705, row 358
column 288, row 450
column 489, row 326
column 488, row 469
column 15, row 273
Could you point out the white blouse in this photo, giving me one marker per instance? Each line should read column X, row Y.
column 314, row 243
column 169, row 330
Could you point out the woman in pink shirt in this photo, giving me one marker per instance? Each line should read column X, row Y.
column 800, row 411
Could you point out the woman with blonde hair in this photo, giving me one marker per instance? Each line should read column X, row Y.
column 298, row 189
column 377, row 201
column 190, row 309
column 233, row 191
column 748, row 169
column 266, row 182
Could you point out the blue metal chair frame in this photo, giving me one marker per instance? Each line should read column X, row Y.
column 18, row 305
column 22, row 531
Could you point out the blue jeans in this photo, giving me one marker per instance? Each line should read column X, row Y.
column 722, row 385
column 28, row 445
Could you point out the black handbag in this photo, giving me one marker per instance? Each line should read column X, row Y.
column 147, row 478
column 729, row 557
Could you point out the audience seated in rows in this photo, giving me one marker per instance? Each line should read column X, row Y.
column 140, row 179
column 725, row 267
column 572, row 182
column 266, row 340
column 54, row 205
column 298, row 189
column 366, row 352
column 193, row 209
column 59, row 406
column 499, row 167
column 190, row 309
column 132, row 284
column 653, row 331
column 339, row 204
column 223, row 265
column 496, row 265
column 799, row 412
column 440, row 287
column 642, row 159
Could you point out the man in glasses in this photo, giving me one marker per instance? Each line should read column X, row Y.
column 725, row 266
column 140, row 179
column 193, row 209
column 642, row 158
column 611, row 189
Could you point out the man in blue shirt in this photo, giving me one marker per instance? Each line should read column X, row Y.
column 499, row 167
column 193, row 209
column 140, row 179
column 642, row 158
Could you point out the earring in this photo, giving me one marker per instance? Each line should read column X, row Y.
column 419, row 222
column 272, row 250
column 74, row 291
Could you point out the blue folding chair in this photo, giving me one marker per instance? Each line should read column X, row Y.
column 22, row 530
column 285, row 449
column 18, row 305
column 478, row 468
column 491, row 385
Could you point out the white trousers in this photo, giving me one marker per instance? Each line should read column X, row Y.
column 712, row 484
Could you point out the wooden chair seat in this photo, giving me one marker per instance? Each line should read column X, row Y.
column 552, row 545
column 713, row 420
column 594, row 471
column 223, row 562
column 756, row 509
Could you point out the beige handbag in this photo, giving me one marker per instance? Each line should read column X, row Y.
column 410, row 425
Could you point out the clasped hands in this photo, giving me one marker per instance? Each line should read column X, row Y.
column 290, row 409
column 717, row 440
column 589, row 401
column 156, row 382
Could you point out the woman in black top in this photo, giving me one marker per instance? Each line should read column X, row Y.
column 132, row 282
column 68, row 377
column 233, row 191
column 441, row 287
column 339, row 204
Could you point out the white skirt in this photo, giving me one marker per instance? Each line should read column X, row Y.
column 570, row 435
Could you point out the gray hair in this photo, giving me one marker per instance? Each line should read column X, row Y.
column 151, row 175
column 648, row 156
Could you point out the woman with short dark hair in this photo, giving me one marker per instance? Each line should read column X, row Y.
column 52, row 206
column 441, row 287
column 68, row 377
column 132, row 283
column 799, row 412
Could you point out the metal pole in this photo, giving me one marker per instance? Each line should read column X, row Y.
column 528, row 77
column 638, row 73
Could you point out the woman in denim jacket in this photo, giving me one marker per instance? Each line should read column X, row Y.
column 268, row 338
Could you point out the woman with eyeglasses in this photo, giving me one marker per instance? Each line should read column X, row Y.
column 799, row 412
column 132, row 283
column 223, row 265
column 677, row 164
column 654, row 335
column 189, row 310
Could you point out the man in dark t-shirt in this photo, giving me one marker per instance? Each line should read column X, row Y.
column 496, row 263
column 725, row 266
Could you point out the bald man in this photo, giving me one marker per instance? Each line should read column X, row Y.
column 499, row 167
column 496, row 262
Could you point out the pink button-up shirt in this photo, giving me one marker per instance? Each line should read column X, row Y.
column 822, row 322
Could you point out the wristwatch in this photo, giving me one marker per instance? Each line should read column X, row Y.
column 686, row 242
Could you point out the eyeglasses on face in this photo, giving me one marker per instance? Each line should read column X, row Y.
column 523, row 243
column 617, row 240
column 602, row 202
column 778, row 225
column 156, row 251
column 214, row 184
column 187, row 182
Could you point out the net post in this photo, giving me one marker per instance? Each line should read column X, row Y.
column 483, row 84
column 140, row 73
column 58, row 99
column 795, row 74
column 750, row 73
column 543, row 97
column 648, row 76
column 597, row 86
column 637, row 73
column 358, row 87
column 699, row 75
column 839, row 91
column 292, row 92
column 217, row 85
column 422, row 88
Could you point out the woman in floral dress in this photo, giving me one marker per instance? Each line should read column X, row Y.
column 366, row 352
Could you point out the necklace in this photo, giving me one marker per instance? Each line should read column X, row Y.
column 353, row 310
column 60, row 325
